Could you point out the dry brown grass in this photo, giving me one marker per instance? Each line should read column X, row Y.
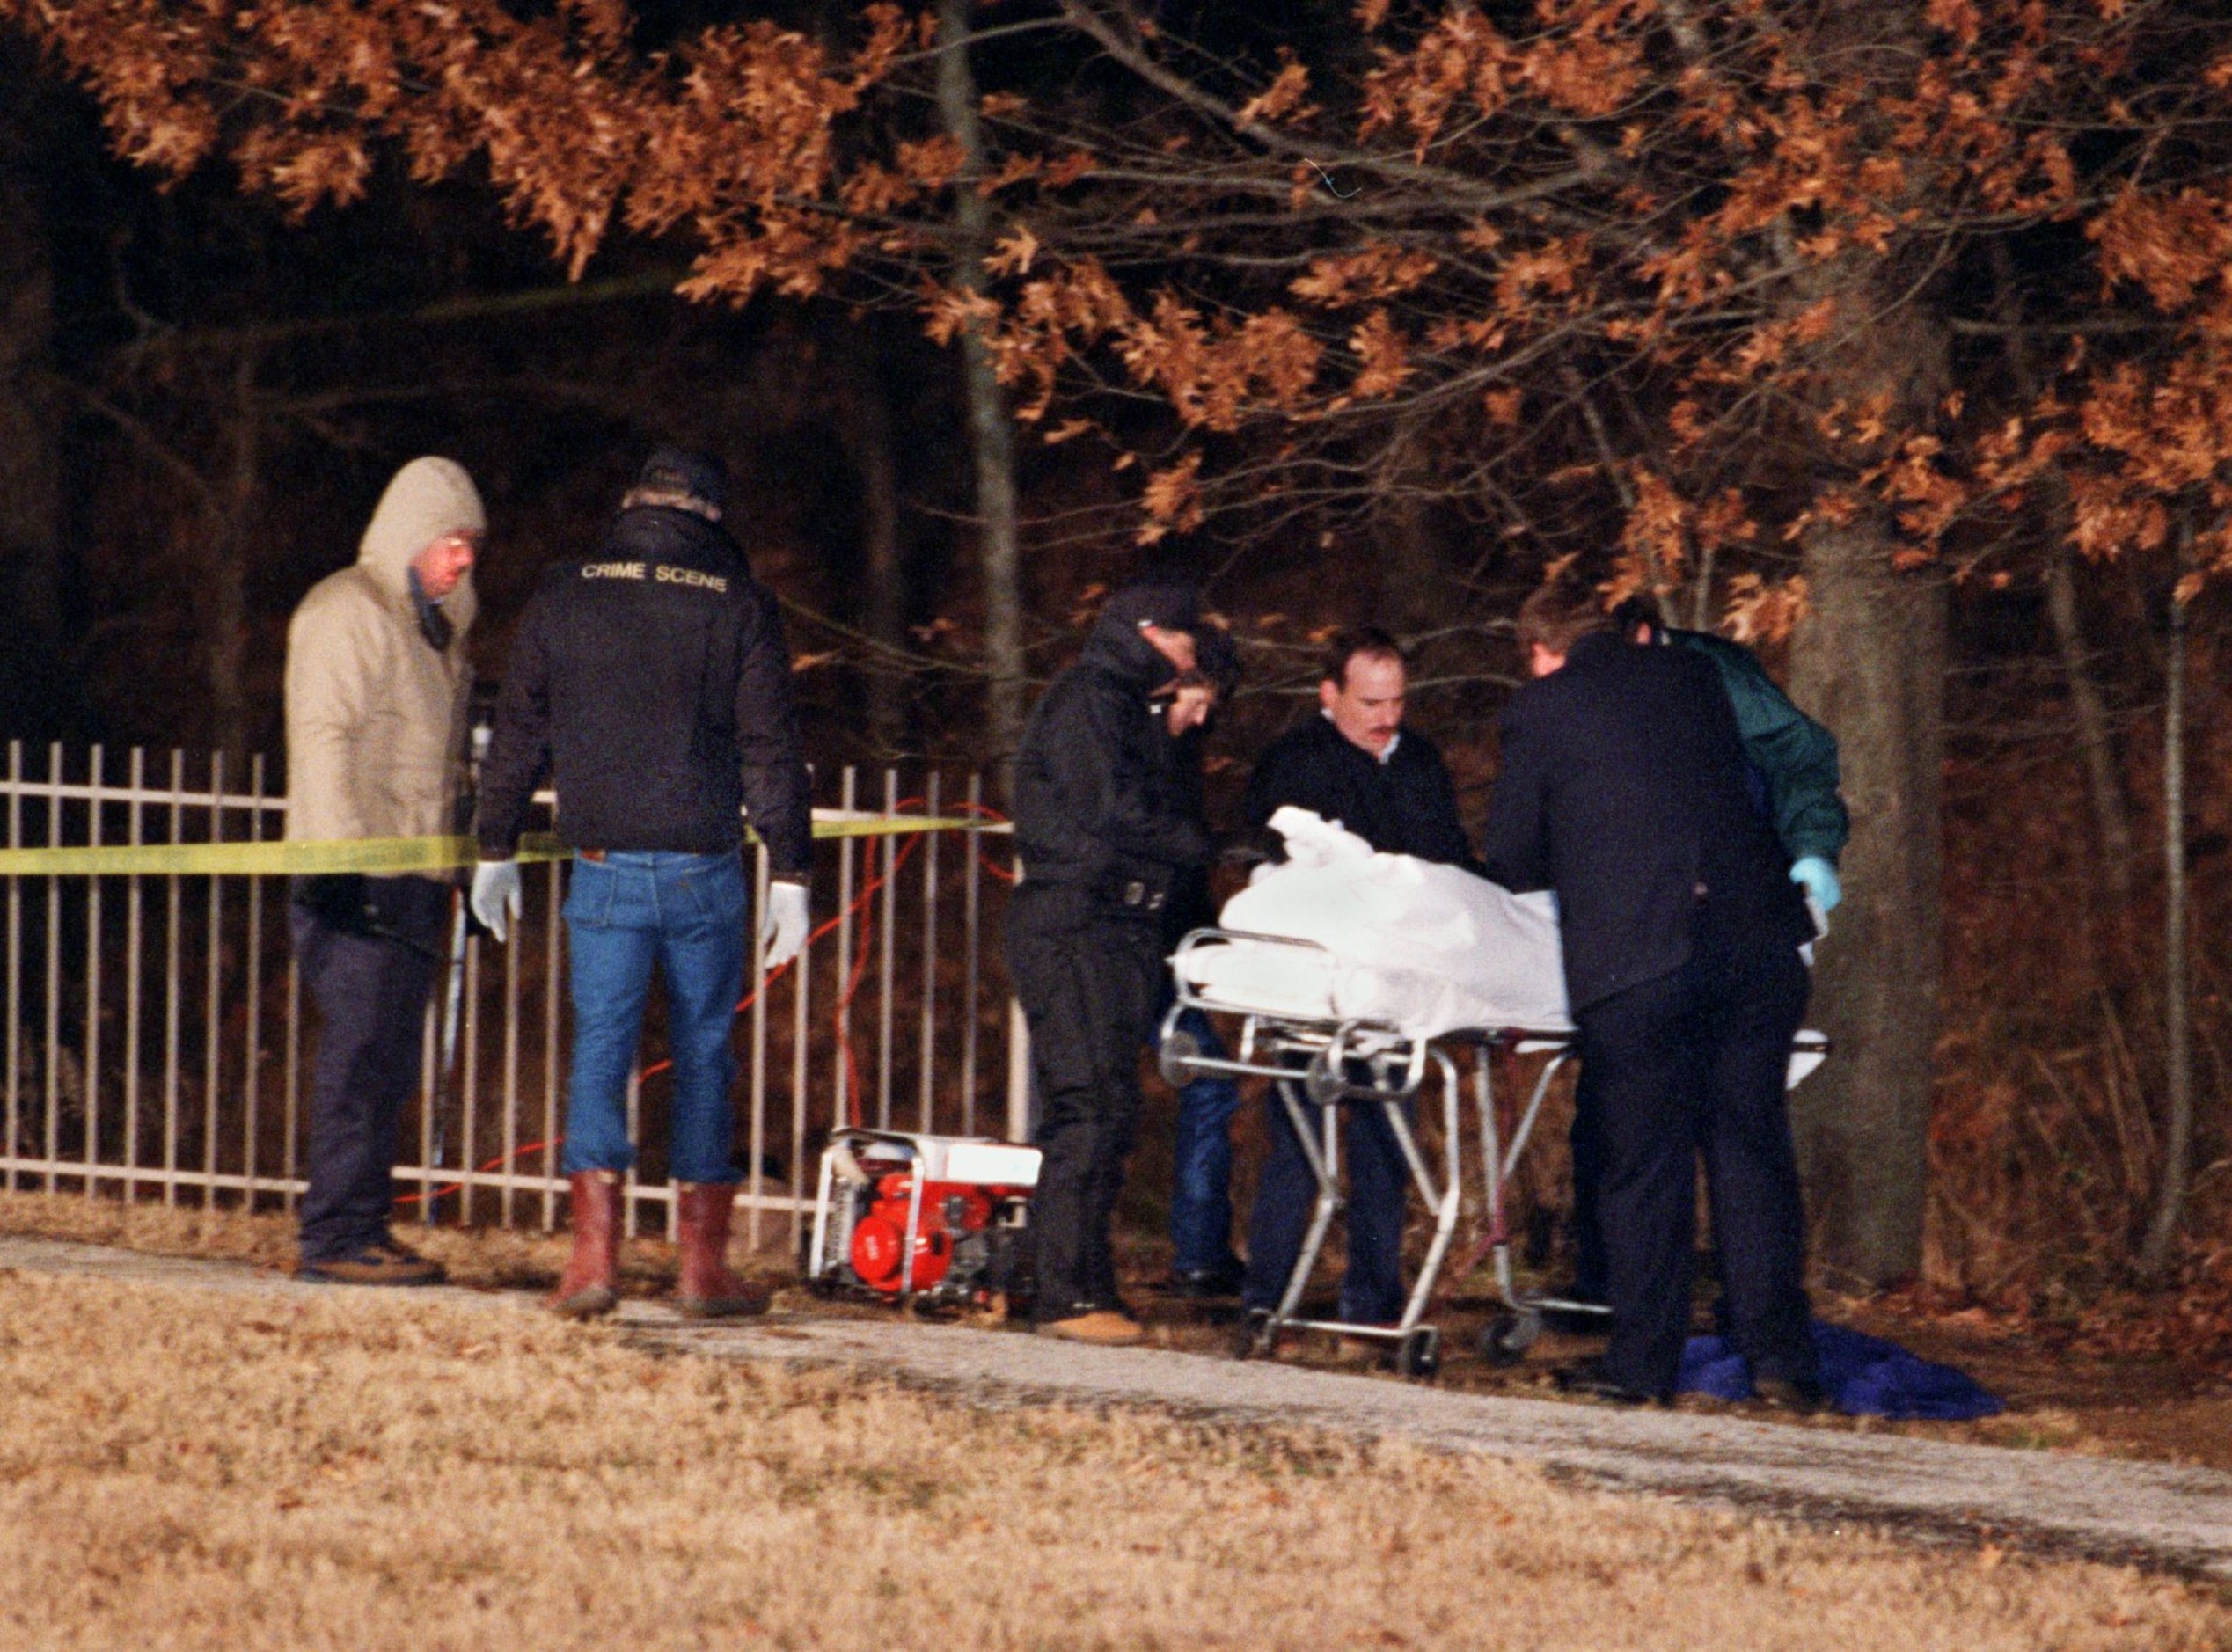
column 181, row 1468
column 484, row 1258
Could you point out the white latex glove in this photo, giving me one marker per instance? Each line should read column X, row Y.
column 495, row 895
column 783, row 922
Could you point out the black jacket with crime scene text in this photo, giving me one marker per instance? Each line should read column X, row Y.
column 1406, row 806
column 1622, row 788
column 651, row 681
column 1101, row 802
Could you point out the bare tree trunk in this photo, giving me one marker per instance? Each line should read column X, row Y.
column 225, row 571
column 992, row 433
column 31, row 518
column 866, row 410
column 1414, row 593
column 2156, row 1256
column 1701, row 603
column 1871, row 664
column 2111, row 817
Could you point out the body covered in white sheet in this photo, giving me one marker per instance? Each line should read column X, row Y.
column 1425, row 947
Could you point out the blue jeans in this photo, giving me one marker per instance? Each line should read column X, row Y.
column 1201, row 1193
column 684, row 913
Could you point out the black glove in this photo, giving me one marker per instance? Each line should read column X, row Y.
column 1250, row 847
column 336, row 899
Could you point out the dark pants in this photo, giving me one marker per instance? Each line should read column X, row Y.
column 1087, row 981
column 1694, row 1063
column 1378, row 1179
column 371, row 993
column 1587, row 1142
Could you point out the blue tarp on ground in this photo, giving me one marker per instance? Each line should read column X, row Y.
column 1865, row 1376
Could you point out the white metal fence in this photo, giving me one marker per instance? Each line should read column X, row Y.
column 156, row 1044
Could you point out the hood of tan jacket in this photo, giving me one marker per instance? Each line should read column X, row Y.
column 375, row 714
column 428, row 499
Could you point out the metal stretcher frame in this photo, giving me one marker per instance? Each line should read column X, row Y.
column 1325, row 1061
column 1320, row 1063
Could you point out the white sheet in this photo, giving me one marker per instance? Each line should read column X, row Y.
column 1425, row 947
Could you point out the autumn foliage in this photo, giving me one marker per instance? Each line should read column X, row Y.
column 1702, row 265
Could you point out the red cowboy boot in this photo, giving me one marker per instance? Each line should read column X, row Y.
column 707, row 1290
column 591, row 1286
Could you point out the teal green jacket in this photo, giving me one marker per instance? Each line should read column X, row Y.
column 1794, row 757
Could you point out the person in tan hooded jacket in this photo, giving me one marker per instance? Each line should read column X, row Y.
column 377, row 688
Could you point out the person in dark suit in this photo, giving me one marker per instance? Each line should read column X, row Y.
column 1792, row 768
column 1622, row 790
column 1355, row 762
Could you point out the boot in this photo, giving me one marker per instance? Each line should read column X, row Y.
column 1103, row 1327
column 592, row 1283
column 707, row 1290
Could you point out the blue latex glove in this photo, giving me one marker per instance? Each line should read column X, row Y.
column 1818, row 879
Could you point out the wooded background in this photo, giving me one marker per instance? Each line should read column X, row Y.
column 1892, row 339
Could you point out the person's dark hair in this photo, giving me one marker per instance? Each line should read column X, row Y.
column 1358, row 640
column 1558, row 615
column 1630, row 614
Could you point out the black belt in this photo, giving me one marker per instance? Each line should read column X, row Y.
column 1133, row 894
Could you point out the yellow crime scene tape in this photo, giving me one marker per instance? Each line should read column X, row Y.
column 377, row 855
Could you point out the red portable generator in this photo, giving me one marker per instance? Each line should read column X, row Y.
column 934, row 1219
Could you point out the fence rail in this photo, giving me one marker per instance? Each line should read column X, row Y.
column 156, row 1042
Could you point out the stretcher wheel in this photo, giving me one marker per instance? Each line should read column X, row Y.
column 1507, row 1337
column 1419, row 1354
column 1321, row 1083
column 1176, row 1057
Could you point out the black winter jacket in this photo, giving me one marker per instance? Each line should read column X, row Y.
column 1406, row 806
column 652, row 683
column 1101, row 802
column 1622, row 789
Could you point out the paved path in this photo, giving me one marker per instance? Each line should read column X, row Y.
column 2180, row 1518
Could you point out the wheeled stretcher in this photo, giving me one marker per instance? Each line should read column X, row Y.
column 1319, row 1063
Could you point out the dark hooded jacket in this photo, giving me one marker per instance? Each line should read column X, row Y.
column 1101, row 800
column 652, row 683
